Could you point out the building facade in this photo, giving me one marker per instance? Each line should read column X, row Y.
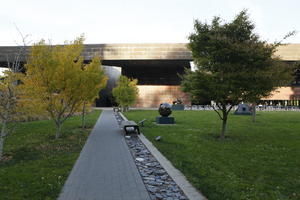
column 157, row 66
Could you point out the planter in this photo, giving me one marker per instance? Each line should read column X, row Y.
column 165, row 120
column 177, row 107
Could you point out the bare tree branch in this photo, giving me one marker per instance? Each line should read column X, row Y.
column 217, row 112
column 229, row 109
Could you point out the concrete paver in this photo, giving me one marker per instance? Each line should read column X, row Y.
column 105, row 169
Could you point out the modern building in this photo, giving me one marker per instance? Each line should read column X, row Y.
column 157, row 66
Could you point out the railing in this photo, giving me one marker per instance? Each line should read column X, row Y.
column 258, row 108
column 278, row 108
column 198, row 107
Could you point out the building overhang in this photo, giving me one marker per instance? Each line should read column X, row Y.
column 160, row 51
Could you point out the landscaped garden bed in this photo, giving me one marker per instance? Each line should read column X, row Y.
column 158, row 182
column 36, row 165
column 256, row 160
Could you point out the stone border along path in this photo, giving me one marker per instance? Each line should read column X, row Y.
column 190, row 191
column 162, row 179
column 157, row 181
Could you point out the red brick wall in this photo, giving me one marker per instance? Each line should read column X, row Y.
column 152, row 96
column 285, row 93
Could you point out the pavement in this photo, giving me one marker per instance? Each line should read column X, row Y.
column 105, row 169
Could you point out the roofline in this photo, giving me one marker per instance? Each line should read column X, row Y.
column 148, row 51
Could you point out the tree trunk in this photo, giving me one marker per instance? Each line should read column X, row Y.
column 83, row 122
column 2, row 135
column 254, row 113
column 1, row 147
column 224, row 123
column 58, row 130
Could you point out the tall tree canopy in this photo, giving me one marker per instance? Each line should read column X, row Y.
column 126, row 92
column 234, row 65
column 58, row 78
column 93, row 80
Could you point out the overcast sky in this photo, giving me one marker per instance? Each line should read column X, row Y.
column 138, row 21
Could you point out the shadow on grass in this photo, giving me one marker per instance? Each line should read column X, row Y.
column 228, row 138
column 20, row 155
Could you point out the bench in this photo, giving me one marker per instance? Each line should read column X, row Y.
column 127, row 124
column 116, row 109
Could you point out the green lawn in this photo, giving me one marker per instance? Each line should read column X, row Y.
column 257, row 161
column 38, row 164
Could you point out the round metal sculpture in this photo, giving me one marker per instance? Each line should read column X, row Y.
column 165, row 109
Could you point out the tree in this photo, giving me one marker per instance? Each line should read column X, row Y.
column 126, row 92
column 93, row 80
column 9, row 104
column 56, row 77
column 281, row 75
column 234, row 65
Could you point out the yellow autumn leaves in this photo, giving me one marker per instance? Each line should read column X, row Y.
column 126, row 92
column 59, row 82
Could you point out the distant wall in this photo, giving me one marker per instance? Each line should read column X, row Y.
column 285, row 93
column 153, row 95
column 290, row 52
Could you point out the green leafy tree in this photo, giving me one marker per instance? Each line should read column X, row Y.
column 126, row 92
column 56, row 77
column 234, row 65
column 93, row 80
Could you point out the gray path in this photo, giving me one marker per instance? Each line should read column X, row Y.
column 105, row 169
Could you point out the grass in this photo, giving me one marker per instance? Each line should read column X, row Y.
column 37, row 165
column 257, row 160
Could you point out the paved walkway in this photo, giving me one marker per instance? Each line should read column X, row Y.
column 105, row 169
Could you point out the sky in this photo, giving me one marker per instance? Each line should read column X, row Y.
column 137, row 21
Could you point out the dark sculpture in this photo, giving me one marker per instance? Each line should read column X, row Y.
column 165, row 109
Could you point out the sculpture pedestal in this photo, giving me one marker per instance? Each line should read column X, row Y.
column 165, row 120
